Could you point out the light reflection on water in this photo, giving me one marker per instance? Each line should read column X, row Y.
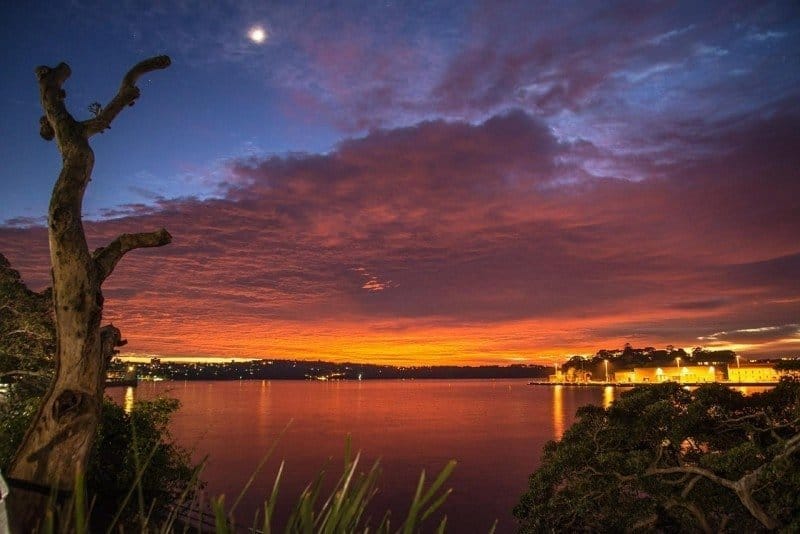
column 495, row 429
column 127, row 402
column 608, row 396
column 558, row 411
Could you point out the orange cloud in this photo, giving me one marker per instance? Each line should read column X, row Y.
column 461, row 243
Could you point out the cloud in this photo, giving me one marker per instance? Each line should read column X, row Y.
column 710, row 304
column 764, row 334
column 671, row 34
column 476, row 242
column 653, row 70
column 714, row 51
column 766, row 36
column 25, row 222
column 372, row 282
column 359, row 67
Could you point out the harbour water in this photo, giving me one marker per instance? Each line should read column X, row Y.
column 495, row 429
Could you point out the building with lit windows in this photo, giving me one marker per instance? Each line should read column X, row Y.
column 747, row 372
column 738, row 372
column 571, row 376
column 686, row 374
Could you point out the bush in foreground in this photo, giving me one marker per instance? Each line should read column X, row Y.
column 663, row 458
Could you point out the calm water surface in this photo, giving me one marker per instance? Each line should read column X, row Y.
column 495, row 429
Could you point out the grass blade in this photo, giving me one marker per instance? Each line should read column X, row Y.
column 440, row 480
column 220, row 519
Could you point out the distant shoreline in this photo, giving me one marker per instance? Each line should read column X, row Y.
column 317, row 370
column 126, row 383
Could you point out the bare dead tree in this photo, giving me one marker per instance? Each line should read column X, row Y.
column 57, row 444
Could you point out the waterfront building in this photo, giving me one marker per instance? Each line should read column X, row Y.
column 747, row 372
column 571, row 376
column 688, row 374
column 699, row 372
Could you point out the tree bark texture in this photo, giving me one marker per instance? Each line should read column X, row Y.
column 58, row 442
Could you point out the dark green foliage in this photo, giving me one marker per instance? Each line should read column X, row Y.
column 27, row 343
column 649, row 463
column 788, row 365
column 124, row 444
column 27, row 332
column 16, row 413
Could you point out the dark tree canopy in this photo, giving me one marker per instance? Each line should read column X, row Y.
column 788, row 365
column 27, row 343
column 662, row 458
column 27, row 334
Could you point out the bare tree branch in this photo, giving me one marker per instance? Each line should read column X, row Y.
column 757, row 415
column 790, row 446
column 20, row 372
column 52, row 95
column 126, row 95
column 644, row 524
column 10, row 308
column 744, row 487
column 698, row 514
column 106, row 258
column 26, row 332
column 110, row 339
column 693, row 469
column 46, row 130
column 690, row 486
column 618, row 476
column 677, row 481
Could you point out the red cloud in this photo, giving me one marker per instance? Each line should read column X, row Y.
column 486, row 241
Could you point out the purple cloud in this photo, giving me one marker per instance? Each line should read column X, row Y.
column 459, row 228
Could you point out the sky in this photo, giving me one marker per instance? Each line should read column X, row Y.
column 426, row 183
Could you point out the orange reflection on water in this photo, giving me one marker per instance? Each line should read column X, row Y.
column 495, row 429
column 127, row 402
column 608, row 396
column 558, row 411
column 263, row 404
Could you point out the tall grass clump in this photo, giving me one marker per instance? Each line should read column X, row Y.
column 343, row 509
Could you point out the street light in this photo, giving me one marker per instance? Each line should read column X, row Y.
column 678, row 365
column 606, row 364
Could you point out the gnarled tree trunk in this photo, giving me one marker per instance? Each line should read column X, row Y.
column 57, row 445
